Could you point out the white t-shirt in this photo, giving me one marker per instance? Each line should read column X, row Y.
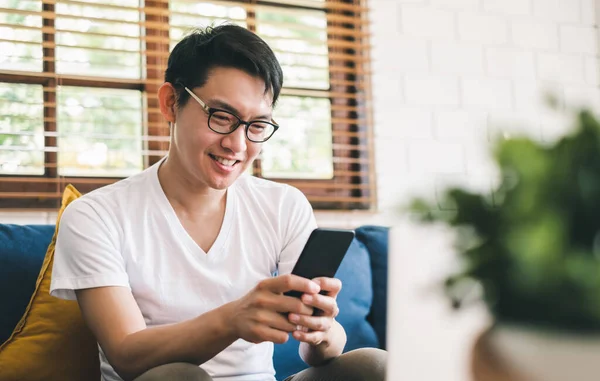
column 127, row 234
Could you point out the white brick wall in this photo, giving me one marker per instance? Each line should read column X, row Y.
column 510, row 63
column 453, row 58
column 578, row 39
column 486, row 93
column 589, row 10
column 592, row 76
column 482, row 28
column 470, row 70
column 535, row 35
column 428, row 89
column 558, row 10
column 455, row 4
column 429, row 22
column 562, row 68
column 508, row 7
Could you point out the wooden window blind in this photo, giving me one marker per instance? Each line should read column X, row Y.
column 78, row 83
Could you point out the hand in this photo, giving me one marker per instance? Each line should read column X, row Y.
column 314, row 330
column 260, row 315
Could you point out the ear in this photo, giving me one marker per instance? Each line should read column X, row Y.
column 167, row 98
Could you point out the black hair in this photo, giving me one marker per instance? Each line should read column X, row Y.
column 226, row 45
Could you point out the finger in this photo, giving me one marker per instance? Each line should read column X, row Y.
column 275, row 320
column 313, row 323
column 281, row 303
column 325, row 303
column 312, row 338
column 332, row 286
column 289, row 282
column 265, row 333
column 294, row 305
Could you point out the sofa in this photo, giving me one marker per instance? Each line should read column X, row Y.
column 362, row 300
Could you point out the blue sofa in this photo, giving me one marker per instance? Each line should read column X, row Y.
column 362, row 300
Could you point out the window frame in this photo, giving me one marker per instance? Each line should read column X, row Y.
column 352, row 186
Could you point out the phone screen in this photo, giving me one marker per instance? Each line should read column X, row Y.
column 322, row 254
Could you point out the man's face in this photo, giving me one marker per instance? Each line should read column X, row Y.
column 211, row 159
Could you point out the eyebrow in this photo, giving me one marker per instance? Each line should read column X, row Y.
column 226, row 106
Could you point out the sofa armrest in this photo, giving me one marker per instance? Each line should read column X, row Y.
column 375, row 238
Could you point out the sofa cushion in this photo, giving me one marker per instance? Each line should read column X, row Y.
column 22, row 250
column 376, row 240
column 51, row 341
column 354, row 301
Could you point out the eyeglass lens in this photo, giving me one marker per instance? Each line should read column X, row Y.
column 224, row 123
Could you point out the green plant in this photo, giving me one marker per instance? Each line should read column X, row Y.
column 533, row 244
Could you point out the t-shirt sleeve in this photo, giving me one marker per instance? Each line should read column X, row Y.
column 87, row 252
column 298, row 222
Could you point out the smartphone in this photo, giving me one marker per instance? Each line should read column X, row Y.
column 322, row 254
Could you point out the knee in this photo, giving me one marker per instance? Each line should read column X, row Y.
column 175, row 372
column 369, row 363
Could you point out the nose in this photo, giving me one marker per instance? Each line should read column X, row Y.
column 236, row 141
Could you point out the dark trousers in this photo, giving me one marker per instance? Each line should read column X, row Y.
column 366, row 364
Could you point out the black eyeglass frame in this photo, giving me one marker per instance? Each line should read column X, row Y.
column 210, row 111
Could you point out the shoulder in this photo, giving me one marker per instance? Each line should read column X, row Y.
column 109, row 204
column 130, row 185
column 121, row 193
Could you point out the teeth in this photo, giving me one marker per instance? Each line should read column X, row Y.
column 225, row 162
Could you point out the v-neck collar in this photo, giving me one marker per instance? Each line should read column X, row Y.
column 169, row 213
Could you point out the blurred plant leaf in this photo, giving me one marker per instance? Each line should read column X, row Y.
column 536, row 250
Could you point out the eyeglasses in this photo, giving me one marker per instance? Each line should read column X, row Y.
column 223, row 122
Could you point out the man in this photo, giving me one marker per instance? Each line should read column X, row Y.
column 173, row 268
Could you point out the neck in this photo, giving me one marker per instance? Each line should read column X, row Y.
column 186, row 195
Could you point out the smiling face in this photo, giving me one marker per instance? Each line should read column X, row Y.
column 208, row 159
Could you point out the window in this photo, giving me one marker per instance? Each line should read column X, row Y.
column 78, row 81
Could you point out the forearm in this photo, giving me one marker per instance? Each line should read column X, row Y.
column 194, row 341
column 331, row 347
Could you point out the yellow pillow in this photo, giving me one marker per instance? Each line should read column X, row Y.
column 51, row 341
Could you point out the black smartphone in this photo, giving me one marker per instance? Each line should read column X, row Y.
column 322, row 254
